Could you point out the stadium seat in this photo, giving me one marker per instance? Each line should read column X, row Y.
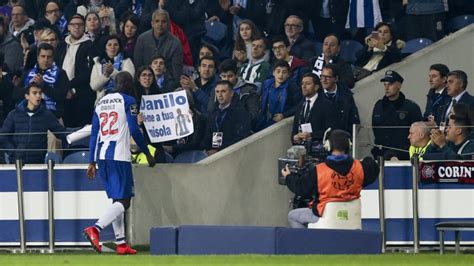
column 340, row 215
column 415, row 45
column 459, row 22
column 77, row 158
column 202, row 239
column 216, row 31
column 190, row 157
column 169, row 158
column 318, row 46
column 327, row 241
column 349, row 49
column 53, row 156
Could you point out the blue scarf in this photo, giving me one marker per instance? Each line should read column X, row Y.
column 109, row 86
column 62, row 26
column 50, row 76
column 160, row 81
column 137, row 7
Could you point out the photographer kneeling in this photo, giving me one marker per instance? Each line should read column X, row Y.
column 340, row 178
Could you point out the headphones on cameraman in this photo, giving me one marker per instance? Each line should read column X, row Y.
column 327, row 144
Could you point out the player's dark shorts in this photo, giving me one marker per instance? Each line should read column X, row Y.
column 117, row 178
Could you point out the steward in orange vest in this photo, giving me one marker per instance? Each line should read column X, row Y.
column 339, row 178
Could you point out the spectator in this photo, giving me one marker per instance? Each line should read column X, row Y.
column 419, row 136
column 279, row 96
column 248, row 32
column 425, row 19
column 52, row 79
column 11, row 48
column 457, row 84
column 246, row 92
column 159, row 41
column 53, row 12
column 314, row 110
column 228, row 124
column 362, row 17
column 437, row 99
column 30, row 116
column 129, row 33
column 330, row 55
column 105, row 12
column 190, row 16
column 320, row 181
column 164, row 82
column 145, row 83
column 107, row 65
column 458, row 143
column 299, row 45
column 281, row 51
column 257, row 69
column 21, row 26
column 253, row 10
column 201, row 87
column 6, row 91
column 345, row 107
column 393, row 110
column 332, row 16
column 382, row 49
column 30, row 54
column 207, row 50
column 94, row 30
column 76, row 58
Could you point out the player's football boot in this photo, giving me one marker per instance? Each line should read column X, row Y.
column 124, row 249
column 92, row 234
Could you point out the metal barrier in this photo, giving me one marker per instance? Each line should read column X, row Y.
column 416, row 229
column 21, row 212
column 382, row 203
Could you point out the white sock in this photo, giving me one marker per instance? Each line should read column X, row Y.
column 119, row 229
column 110, row 215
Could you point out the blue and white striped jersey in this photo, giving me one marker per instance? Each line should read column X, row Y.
column 114, row 120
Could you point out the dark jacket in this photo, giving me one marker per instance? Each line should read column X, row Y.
column 78, row 111
column 245, row 94
column 440, row 112
column 399, row 113
column 450, row 151
column 307, row 185
column 202, row 96
column 13, row 52
column 303, row 48
column 346, row 109
column 321, row 118
column 37, row 125
column 392, row 55
column 233, row 122
column 190, row 17
column 436, row 105
column 6, row 91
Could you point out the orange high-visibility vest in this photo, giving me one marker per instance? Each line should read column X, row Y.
column 333, row 186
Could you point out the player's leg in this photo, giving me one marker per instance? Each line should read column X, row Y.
column 119, row 231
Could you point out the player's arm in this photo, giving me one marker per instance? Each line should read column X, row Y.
column 131, row 110
column 93, row 145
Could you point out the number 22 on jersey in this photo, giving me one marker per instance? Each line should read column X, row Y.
column 107, row 123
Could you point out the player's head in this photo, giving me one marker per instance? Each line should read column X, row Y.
column 124, row 83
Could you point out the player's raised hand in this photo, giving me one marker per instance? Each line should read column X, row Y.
column 91, row 171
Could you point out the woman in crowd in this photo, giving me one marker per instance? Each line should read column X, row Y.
column 382, row 49
column 129, row 34
column 111, row 61
column 248, row 31
column 94, row 29
column 145, row 83
column 105, row 12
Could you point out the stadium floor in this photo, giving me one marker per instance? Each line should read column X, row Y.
column 90, row 258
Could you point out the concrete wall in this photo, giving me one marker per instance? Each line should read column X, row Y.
column 237, row 186
column 456, row 51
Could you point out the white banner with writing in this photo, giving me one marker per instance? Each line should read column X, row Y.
column 167, row 116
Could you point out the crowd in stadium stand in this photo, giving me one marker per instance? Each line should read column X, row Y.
column 244, row 64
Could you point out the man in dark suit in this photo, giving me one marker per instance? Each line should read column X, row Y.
column 301, row 47
column 314, row 110
column 457, row 84
column 341, row 96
